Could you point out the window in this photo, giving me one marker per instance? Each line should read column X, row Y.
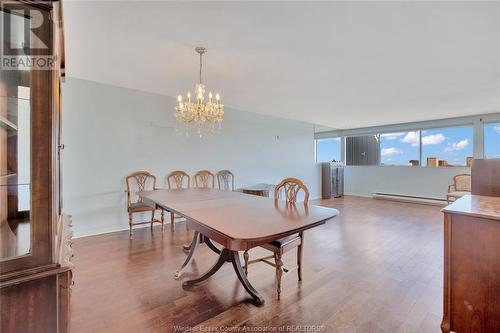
column 447, row 146
column 492, row 140
column 402, row 148
column 440, row 147
column 363, row 150
column 328, row 150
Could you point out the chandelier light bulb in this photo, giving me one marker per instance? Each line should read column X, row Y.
column 179, row 98
column 189, row 94
column 217, row 97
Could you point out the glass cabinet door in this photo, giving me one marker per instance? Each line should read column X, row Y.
column 27, row 136
column 15, row 149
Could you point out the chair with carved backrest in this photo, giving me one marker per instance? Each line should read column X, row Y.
column 290, row 187
column 460, row 187
column 204, row 179
column 136, row 182
column 176, row 180
column 225, row 179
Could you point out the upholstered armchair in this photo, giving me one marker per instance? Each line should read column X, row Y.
column 460, row 187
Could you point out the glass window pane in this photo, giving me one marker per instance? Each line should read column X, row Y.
column 402, row 148
column 447, row 146
column 492, row 140
column 15, row 150
column 328, row 150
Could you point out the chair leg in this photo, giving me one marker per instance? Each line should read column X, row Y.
column 130, row 224
column 152, row 218
column 299, row 256
column 162, row 220
column 279, row 272
column 246, row 257
column 172, row 221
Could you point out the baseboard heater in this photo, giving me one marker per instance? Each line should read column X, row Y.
column 409, row 198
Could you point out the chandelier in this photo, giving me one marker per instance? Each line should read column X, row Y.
column 195, row 109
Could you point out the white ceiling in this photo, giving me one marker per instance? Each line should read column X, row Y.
column 337, row 64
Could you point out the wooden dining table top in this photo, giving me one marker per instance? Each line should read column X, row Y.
column 236, row 220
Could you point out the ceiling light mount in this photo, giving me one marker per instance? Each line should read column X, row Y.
column 200, row 50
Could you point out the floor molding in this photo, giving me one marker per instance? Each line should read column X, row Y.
column 409, row 199
column 115, row 229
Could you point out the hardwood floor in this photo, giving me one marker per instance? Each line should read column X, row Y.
column 375, row 268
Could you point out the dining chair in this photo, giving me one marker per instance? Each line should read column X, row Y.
column 460, row 187
column 204, row 179
column 290, row 187
column 136, row 182
column 225, row 179
column 176, row 180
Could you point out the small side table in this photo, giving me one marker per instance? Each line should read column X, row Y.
column 262, row 190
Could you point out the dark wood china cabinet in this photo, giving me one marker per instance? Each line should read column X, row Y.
column 35, row 252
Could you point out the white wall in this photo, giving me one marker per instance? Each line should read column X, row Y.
column 413, row 181
column 110, row 131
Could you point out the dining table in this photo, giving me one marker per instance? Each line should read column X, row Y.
column 236, row 221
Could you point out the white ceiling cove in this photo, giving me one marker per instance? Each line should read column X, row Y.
column 337, row 64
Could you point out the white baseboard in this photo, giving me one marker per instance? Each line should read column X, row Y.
column 410, row 199
column 359, row 195
column 102, row 232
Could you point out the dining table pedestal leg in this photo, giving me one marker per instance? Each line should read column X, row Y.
column 210, row 245
column 192, row 250
column 186, row 247
column 234, row 258
column 203, row 239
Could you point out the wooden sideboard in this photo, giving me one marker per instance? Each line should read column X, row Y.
column 472, row 265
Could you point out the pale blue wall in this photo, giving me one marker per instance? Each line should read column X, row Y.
column 110, row 131
column 404, row 180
